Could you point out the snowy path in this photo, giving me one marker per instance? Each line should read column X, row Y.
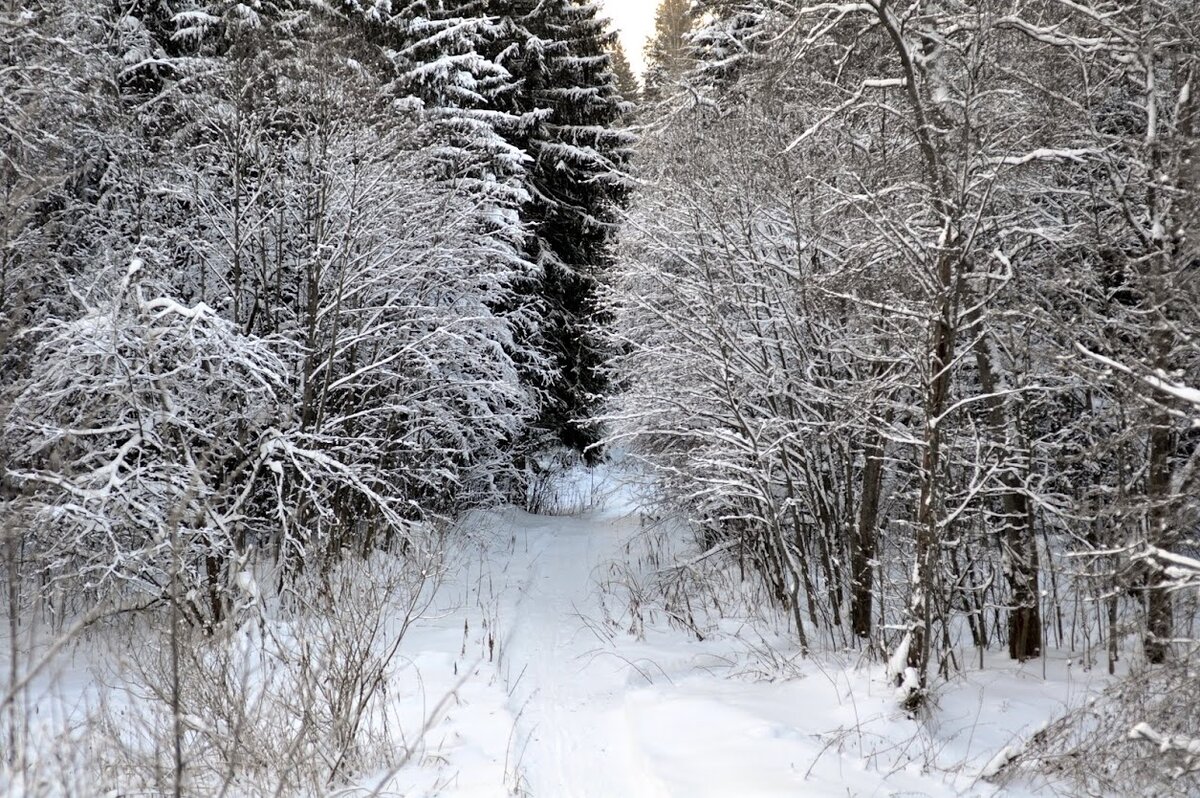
column 522, row 680
column 569, row 705
column 566, row 685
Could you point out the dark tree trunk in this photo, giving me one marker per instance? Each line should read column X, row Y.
column 1019, row 546
column 213, row 566
column 864, row 544
column 1159, row 614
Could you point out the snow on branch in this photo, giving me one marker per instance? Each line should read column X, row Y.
column 1186, row 748
column 1078, row 155
column 1182, row 570
column 1157, row 380
column 872, row 83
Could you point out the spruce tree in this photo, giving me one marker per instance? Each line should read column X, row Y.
column 436, row 47
column 726, row 40
column 627, row 84
column 667, row 53
column 571, row 109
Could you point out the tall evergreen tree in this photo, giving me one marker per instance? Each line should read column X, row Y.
column 726, row 39
column 627, row 83
column 436, row 47
column 570, row 106
column 668, row 55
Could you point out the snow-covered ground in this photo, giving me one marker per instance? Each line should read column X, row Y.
column 530, row 675
column 564, row 701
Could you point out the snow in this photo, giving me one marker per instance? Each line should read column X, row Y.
column 1077, row 155
column 1157, row 381
column 576, row 705
column 531, row 673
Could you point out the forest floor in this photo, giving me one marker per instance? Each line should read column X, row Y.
column 573, row 690
column 545, row 666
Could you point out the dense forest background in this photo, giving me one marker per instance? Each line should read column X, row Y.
column 918, row 284
column 293, row 277
column 908, row 307
column 896, row 303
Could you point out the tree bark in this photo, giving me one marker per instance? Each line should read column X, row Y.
column 1018, row 543
column 1159, row 614
column 864, row 544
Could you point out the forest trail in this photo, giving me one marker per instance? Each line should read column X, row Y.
column 570, row 704
column 545, row 667
column 566, row 685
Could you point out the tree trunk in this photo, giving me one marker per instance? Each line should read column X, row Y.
column 1159, row 615
column 864, row 542
column 1018, row 544
column 943, row 273
column 928, row 521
